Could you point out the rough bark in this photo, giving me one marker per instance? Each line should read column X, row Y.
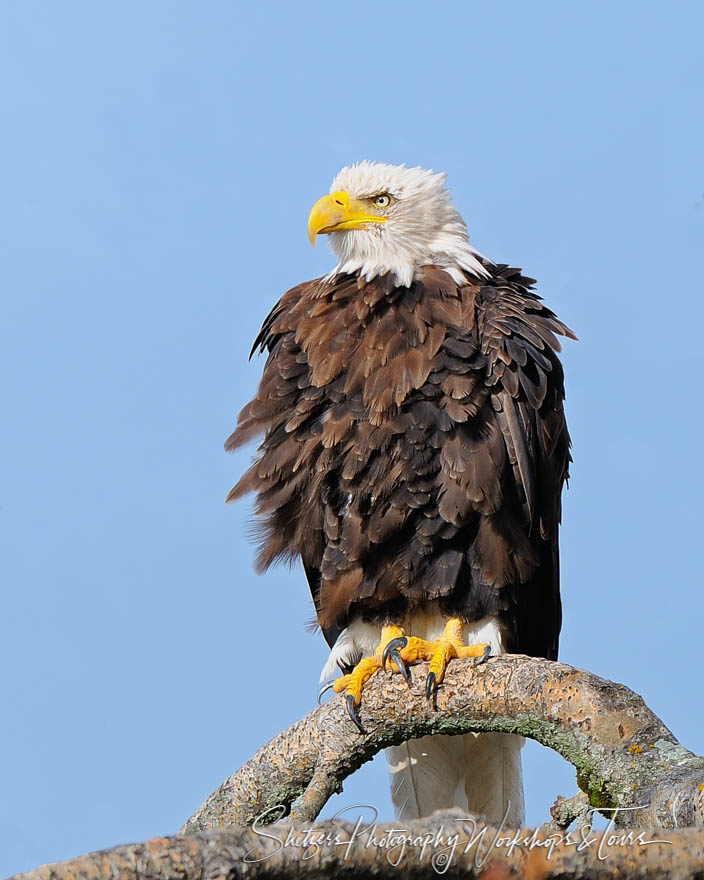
column 624, row 755
column 211, row 855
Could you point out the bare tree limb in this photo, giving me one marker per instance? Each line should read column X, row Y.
column 426, row 849
column 624, row 755
column 566, row 810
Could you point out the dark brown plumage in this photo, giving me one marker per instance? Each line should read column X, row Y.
column 415, row 448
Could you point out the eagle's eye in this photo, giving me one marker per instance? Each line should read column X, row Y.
column 383, row 200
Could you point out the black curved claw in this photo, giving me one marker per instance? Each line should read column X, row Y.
column 393, row 646
column 402, row 668
column 430, row 685
column 485, row 656
column 352, row 712
column 345, row 668
column 325, row 687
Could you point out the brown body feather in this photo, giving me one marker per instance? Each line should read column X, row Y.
column 415, row 448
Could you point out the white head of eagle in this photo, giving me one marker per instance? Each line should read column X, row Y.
column 392, row 219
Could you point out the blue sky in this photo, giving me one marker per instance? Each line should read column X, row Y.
column 159, row 162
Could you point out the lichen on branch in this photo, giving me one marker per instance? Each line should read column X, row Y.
column 623, row 753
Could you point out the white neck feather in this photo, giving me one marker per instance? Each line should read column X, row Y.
column 423, row 227
column 358, row 250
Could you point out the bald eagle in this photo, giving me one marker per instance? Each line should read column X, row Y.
column 413, row 458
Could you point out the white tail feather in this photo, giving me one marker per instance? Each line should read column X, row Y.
column 476, row 772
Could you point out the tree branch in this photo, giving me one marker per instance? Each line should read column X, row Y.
column 448, row 844
column 624, row 755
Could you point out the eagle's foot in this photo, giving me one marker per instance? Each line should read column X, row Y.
column 353, row 683
column 439, row 652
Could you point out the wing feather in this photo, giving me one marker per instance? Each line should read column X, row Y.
column 414, row 447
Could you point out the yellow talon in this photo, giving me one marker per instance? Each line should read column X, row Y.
column 480, row 651
column 353, row 683
column 399, row 650
column 440, row 651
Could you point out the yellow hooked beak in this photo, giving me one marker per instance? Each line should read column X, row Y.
column 338, row 211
